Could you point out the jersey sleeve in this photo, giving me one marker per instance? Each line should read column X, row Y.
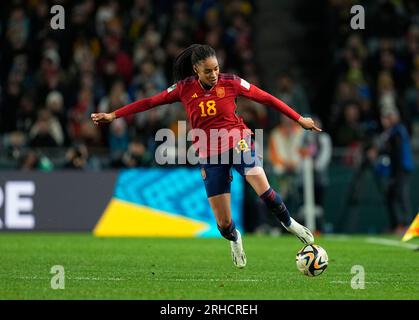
column 170, row 95
column 252, row 92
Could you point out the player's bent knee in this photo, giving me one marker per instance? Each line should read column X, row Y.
column 255, row 171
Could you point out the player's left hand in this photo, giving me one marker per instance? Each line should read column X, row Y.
column 308, row 124
column 102, row 117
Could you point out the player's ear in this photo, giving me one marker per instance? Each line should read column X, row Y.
column 195, row 69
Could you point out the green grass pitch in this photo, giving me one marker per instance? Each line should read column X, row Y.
column 197, row 268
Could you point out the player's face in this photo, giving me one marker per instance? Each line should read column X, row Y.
column 208, row 71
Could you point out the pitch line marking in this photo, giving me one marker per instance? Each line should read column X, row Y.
column 389, row 242
column 349, row 282
column 120, row 279
column 212, row 280
column 69, row 278
column 96, row 279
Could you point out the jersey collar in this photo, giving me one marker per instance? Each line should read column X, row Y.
column 203, row 87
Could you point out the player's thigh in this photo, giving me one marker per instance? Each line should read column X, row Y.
column 248, row 164
column 244, row 157
column 217, row 178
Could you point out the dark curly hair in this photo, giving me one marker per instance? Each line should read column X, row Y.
column 192, row 55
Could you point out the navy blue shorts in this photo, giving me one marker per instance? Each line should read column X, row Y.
column 217, row 171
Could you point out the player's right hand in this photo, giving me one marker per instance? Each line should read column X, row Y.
column 102, row 117
column 308, row 124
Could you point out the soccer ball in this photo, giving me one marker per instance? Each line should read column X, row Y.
column 312, row 260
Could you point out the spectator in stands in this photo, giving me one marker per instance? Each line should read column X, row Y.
column 386, row 92
column 50, row 76
column 320, row 148
column 14, row 145
column 136, row 156
column 79, row 113
column 55, row 105
column 292, row 93
column 118, row 138
column 411, row 105
column 149, row 73
column 114, row 62
column 345, row 93
column 397, row 146
column 411, row 98
column 285, row 146
column 117, row 97
column 29, row 161
column 349, row 133
column 77, row 157
column 26, row 113
column 46, row 131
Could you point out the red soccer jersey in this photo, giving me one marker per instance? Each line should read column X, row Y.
column 213, row 111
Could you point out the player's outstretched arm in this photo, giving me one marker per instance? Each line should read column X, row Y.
column 256, row 94
column 166, row 97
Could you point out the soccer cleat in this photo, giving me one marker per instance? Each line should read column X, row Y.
column 301, row 232
column 237, row 251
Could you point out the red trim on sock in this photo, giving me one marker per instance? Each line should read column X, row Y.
column 270, row 195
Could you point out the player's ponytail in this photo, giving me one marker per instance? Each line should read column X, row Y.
column 195, row 53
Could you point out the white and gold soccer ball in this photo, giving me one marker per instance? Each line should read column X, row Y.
column 312, row 260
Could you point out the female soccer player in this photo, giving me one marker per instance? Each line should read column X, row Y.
column 209, row 99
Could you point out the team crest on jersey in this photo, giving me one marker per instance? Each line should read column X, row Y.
column 220, row 92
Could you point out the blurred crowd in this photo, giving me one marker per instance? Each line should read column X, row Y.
column 375, row 70
column 110, row 53
column 374, row 116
